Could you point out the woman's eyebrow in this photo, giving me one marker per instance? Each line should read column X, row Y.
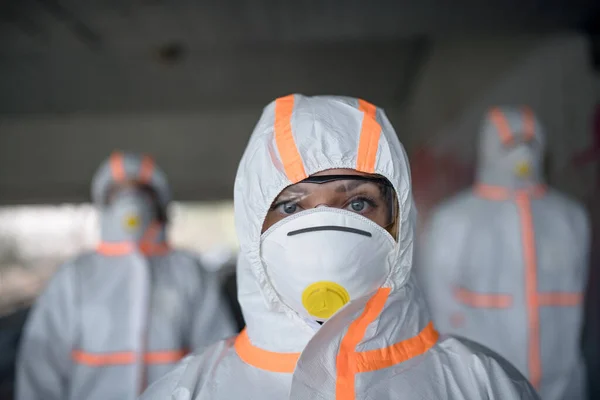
column 346, row 187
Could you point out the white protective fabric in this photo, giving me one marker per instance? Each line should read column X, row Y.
column 505, row 263
column 381, row 346
column 114, row 320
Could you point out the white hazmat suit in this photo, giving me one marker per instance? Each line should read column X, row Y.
column 114, row 320
column 505, row 263
column 381, row 344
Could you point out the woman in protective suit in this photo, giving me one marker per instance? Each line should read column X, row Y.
column 113, row 320
column 325, row 219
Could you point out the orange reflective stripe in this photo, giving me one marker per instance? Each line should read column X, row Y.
column 349, row 362
column 115, row 249
column 530, row 258
column 264, row 359
column 367, row 108
column 480, row 300
column 534, row 299
column 154, row 249
column 492, row 192
column 164, row 357
column 498, row 193
column 346, row 362
column 372, row 360
column 559, row 299
column 370, row 131
column 149, row 245
column 152, row 232
column 146, row 169
column 126, row 357
column 502, row 126
column 538, row 190
column 288, row 152
column 117, row 166
column 528, row 124
column 123, row 248
column 103, row 359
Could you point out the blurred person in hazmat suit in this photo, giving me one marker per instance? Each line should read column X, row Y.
column 505, row 263
column 113, row 320
column 325, row 219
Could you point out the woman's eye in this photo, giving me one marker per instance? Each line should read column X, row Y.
column 288, row 208
column 358, row 205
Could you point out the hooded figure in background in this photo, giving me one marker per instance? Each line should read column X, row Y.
column 505, row 264
column 325, row 218
column 112, row 321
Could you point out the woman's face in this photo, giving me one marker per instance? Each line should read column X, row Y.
column 368, row 195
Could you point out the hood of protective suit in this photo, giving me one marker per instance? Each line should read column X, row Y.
column 511, row 149
column 124, row 166
column 133, row 218
column 298, row 136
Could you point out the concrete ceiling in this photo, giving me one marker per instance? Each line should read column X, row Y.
column 123, row 56
column 185, row 80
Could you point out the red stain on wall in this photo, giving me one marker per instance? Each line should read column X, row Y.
column 435, row 177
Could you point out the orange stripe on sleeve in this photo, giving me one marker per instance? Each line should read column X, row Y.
column 164, row 357
column 264, row 359
column 288, row 152
column 559, row 299
column 103, row 359
column 370, row 133
column 499, row 120
column 126, row 357
column 117, row 166
column 480, row 300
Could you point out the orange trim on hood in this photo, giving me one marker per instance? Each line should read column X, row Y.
column 146, row 169
column 498, row 119
column 117, row 166
column 284, row 138
column 528, row 123
column 370, row 132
